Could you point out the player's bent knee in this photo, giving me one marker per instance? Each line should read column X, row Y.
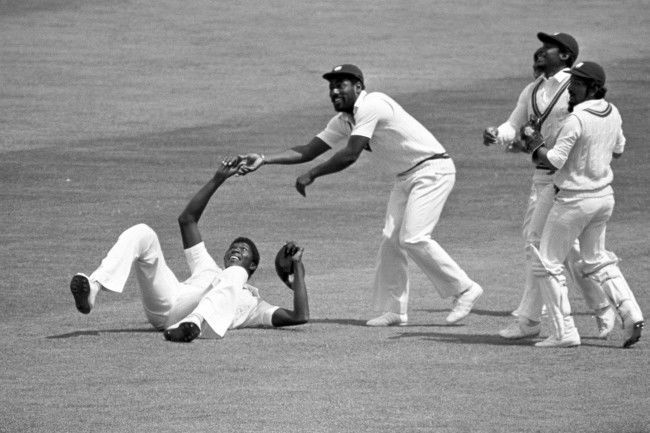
column 141, row 231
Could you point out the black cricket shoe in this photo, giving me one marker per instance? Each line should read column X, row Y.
column 635, row 334
column 186, row 332
column 80, row 288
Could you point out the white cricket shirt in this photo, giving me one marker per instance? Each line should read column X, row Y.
column 397, row 140
column 535, row 99
column 583, row 150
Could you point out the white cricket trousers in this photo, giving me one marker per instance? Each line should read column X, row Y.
column 582, row 216
column 167, row 301
column 540, row 202
column 413, row 210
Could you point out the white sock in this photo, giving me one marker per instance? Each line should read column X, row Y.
column 195, row 318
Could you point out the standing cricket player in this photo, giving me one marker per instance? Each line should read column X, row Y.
column 542, row 105
column 212, row 300
column 424, row 177
column 584, row 201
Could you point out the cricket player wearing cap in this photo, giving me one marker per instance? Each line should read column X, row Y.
column 542, row 105
column 212, row 300
column 374, row 123
column 584, row 200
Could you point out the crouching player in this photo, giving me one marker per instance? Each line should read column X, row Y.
column 589, row 138
column 212, row 300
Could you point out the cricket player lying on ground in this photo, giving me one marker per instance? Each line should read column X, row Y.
column 212, row 300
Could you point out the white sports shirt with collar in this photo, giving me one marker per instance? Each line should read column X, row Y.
column 583, row 150
column 397, row 140
column 539, row 92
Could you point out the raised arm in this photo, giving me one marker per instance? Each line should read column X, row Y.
column 300, row 313
column 189, row 218
column 294, row 155
column 339, row 161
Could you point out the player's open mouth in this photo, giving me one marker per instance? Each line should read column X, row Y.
column 337, row 100
column 234, row 258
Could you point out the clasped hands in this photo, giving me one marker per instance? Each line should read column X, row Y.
column 241, row 165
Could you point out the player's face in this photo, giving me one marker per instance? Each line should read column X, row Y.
column 239, row 254
column 343, row 94
column 549, row 57
column 578, row 92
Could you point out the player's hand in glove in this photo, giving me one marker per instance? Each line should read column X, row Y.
column 287, row 260
column 251, row 162
column 490, row 135
column 531, row 139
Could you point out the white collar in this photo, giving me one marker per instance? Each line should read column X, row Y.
column 596, row 104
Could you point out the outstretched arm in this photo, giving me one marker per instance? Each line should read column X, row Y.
column 189, row 218
column 294, row 155
column 339, row 161
column 300, row 313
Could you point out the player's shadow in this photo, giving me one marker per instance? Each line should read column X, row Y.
column 98, row 332
column 493, row 340
column 349, row 322
column 474, row 311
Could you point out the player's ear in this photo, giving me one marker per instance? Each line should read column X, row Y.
column 564, row 57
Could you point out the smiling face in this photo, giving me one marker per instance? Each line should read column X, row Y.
column 241, row 253
column 344, row 93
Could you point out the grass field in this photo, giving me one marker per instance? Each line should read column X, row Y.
column 114, row 113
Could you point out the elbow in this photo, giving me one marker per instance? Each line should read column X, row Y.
column 185, row 219
column 301, row 317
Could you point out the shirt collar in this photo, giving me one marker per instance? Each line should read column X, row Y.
column 559, row 76
column 358, row 102
column 596, row 104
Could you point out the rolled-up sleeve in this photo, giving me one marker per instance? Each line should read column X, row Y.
column 619, row 147
column 335, row 133
column 569, row 134
column 509, row 130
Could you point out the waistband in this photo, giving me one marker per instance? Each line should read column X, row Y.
column 444, row 155
column 545, row 168
column 604, row 190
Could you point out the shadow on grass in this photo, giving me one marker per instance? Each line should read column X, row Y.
column 351, row 322
column 493, row 340
column 474, row 311
column 96, row 333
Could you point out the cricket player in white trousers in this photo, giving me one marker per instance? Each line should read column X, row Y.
column 584, row 201
column 424, row 177
column 543, row 104
column 212, row 300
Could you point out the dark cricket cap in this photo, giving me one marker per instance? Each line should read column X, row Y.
column 565, row 40
column 589, row 71
column 345, row 70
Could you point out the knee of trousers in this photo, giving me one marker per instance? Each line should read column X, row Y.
column 607, row 260
column 140, row 231
column 414, row 243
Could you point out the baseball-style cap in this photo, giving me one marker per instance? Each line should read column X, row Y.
column 345, row 70
column 565, row 40
column 590, row 71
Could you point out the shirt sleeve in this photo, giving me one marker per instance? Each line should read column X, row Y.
column 335, row 132
column 619, row 147
column 569, row 134
column 509, row 130
column 200, row 260
column 369, row 113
